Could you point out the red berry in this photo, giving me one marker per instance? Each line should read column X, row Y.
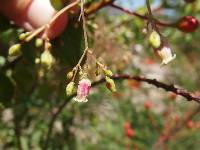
column 190, row 124
column 147, row 104
column 127, row 125
column 149, row 61
column 130, row 132
column 188, row 24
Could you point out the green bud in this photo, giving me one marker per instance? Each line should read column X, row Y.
column 70, row 88
column 108, row 72
column 47, row 59
column 14, row 50
column 38, row 42
column 110, row 84
column 70, row 75
column 24, row 35
column 37, row 60
column 154, row 39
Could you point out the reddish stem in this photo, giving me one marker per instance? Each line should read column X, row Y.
column 165, row 24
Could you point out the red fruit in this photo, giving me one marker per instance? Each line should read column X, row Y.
column 127, row 125
column 149, row 61
column 147, row 104
column 190, row 124
column 188, row 24
column 130, row 132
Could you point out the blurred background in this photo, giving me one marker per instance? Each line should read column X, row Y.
column 138, row 116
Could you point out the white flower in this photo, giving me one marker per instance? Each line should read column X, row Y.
column 166, row 54
column 83, row 90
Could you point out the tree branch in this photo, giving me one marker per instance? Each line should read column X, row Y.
column 173, row 24
column 97, row 6
column 170, row 88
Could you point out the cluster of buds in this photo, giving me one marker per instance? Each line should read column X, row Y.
column 110, row 83
column 84, row 86
column 46, row 58
column 164, row 52
column 15, row 50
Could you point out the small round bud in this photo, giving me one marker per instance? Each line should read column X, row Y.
column 70, row 88
column 37, row 60
column 188, row 24
column 144, row 30
column 108, row 72
column 24, row 35
column 154, row 39
column 47, row 60
column 2, row 61
column 15, row 50
column 38, row 42
column 70, row 75
column 110, row 84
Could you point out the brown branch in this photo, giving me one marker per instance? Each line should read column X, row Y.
column 170, row 88
column 142, row 16
column 18, row 135
column 97, row 6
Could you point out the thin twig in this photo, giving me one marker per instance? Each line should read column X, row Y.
column 142, row 16
column 97, row 6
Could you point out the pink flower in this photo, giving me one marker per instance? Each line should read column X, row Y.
column 83, row 90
